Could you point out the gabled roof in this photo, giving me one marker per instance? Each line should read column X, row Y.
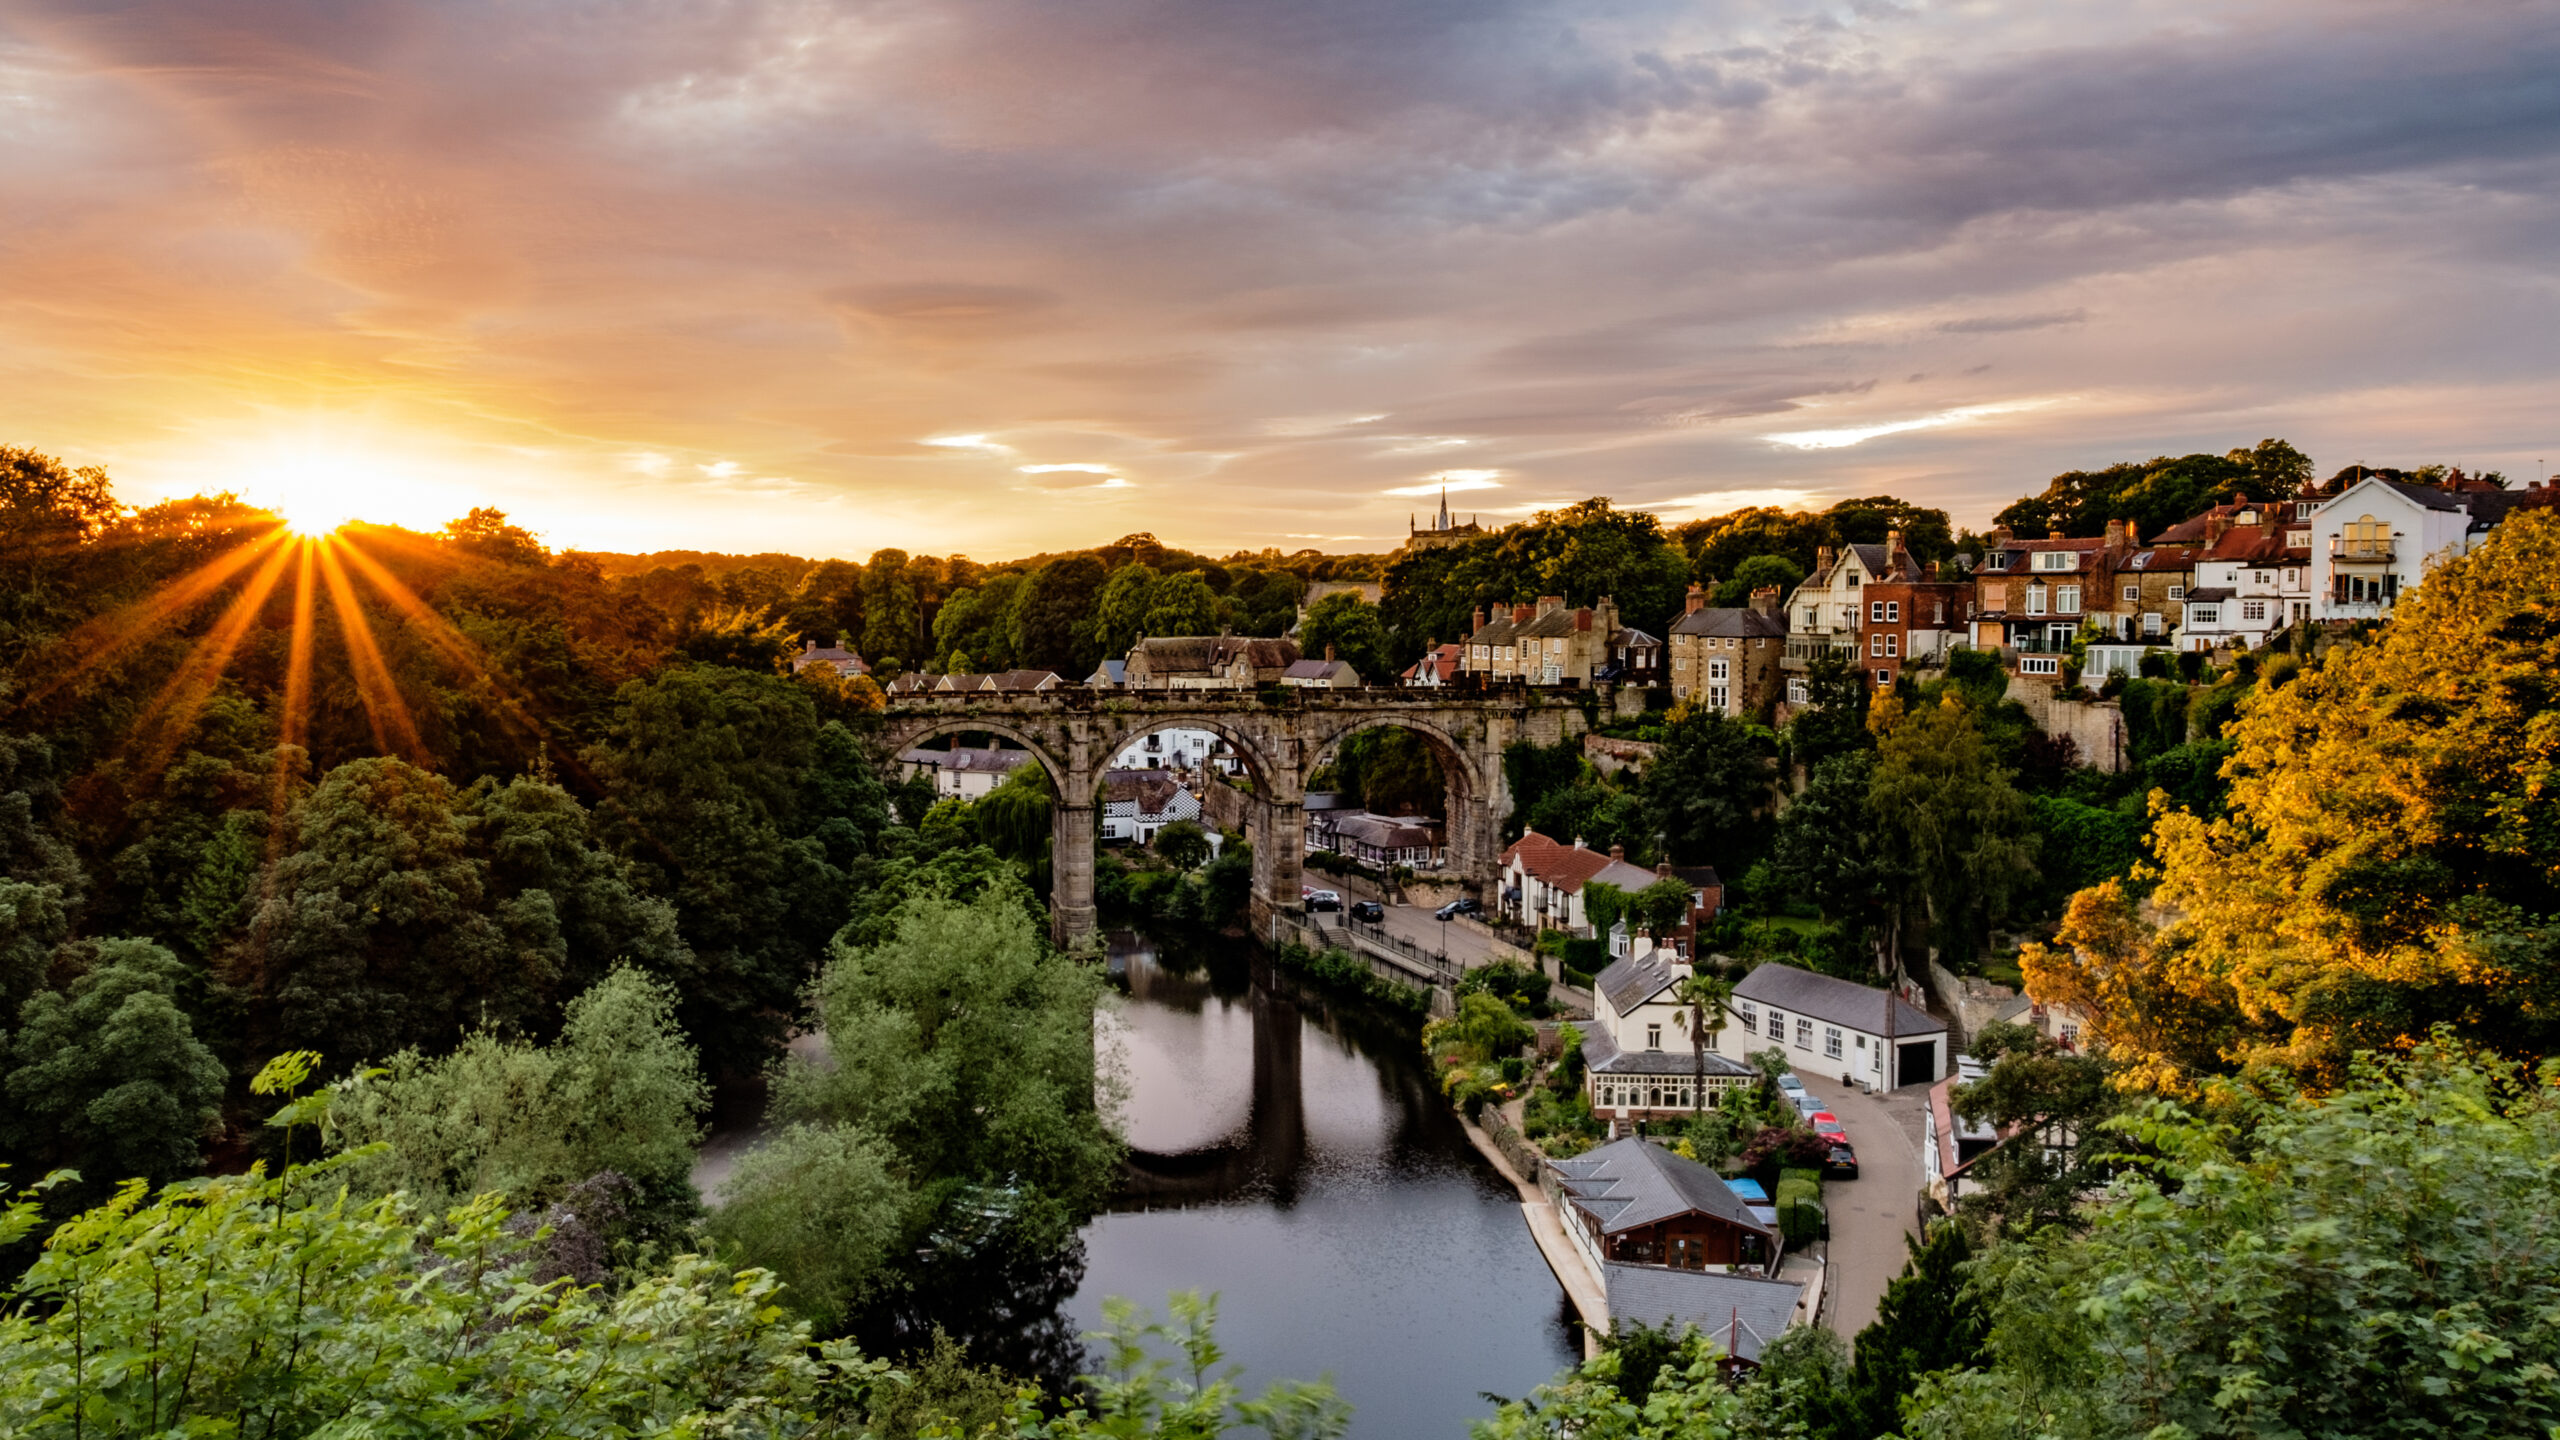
column 1631, row 982
column 961, row 684
column 1314, row 669
column 1109, row 672
column 2159, row 557
column 1631, row 1183
column 1730, row 621
column 1400, row 832
column 1741, row 1313
column 1152, row 790
column 1024, row 680
column 1442, row 661
column 1601, row 1056
column 1570, row 867
column 990, row 761
column 1841, row 1002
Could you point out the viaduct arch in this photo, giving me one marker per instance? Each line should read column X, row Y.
column 1280, row 735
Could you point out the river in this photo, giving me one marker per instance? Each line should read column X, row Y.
column 1294, row 1156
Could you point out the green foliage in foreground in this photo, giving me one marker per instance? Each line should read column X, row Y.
column 2382, row 1262
column 282, row 1308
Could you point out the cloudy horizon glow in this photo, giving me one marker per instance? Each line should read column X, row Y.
column 995, row 277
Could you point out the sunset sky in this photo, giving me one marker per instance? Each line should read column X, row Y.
column 994, row 276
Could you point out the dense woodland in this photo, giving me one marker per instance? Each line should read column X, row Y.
column 458, row 877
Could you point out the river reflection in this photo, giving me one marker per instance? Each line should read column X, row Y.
column 1293, row 1155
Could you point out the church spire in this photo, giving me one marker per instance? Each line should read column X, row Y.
column 1444, row 509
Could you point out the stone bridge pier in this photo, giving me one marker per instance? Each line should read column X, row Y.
column 1282, row 736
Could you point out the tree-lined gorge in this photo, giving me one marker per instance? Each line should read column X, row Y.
column 427, row 890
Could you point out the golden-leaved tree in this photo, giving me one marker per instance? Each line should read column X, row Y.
column 2390, row 861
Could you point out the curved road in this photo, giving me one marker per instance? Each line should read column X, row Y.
column 1871, row 1214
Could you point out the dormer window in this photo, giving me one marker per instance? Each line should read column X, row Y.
column 1997, row 560
column 2057, row 560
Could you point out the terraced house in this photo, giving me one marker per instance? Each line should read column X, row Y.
column 1549, row 644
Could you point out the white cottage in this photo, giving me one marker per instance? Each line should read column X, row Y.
column 1836, row 1027
column 1637, row 1057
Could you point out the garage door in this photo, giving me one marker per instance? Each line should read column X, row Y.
column 1917, row 1067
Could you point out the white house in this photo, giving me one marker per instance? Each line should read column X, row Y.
column 1439, row 666
column 2252, row 578
column 1138, row 803
column 1542, row 881
column 1176, row 747
column 965, row 772
column 1325, row 674
column 1836, row 1027
column 1637, row 1059
column 2372, row 542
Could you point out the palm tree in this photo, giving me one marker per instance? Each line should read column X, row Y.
column 1710, row 1002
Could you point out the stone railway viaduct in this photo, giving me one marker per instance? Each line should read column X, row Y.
column 1282, row 735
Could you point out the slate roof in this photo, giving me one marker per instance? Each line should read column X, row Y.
column 990, row 761
column 1730, row 622
column 2159, row 557
column 1151, row 790
column 1841, row 1002
column 1109, row 672
column 1633, row 1182
column 961, row 684
column 1741, row 1313
column 1320, row 671
column 2210, row 594
column 1630, row 982
column 1023, row 681
column 1387, row 832
column 1603, row 1057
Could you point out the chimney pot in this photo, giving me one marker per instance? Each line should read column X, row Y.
column 1328, row 654
column 1617, row 852
column 1697, row 600
column 2057, row 534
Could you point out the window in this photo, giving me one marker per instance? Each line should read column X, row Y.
column 2177, row 592
column 1719, row 674
column 1653, row 1037
column 2204, row 614
column 2039, row 664
column 2253, row 611
column 1875, row 644
column 1892, row 646
column 1799, row 692
column 1995, row 595
column 1749, row 1017
column 2261, row 577
column 1875, row 611
column 1777, row 1025
column 1812, row 618
column 1853, row 579
column 2057, row 560
column 1884, row 679
column 2035, row 599
column 2133, row 594
column 1893, row 611
column 1998, row 560
column 2151, row 623
column 2066, row 600
column 1555, row 647
column 1804, row 1034
column 1831, row 1042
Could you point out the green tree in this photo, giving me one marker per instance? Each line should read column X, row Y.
column 1760, row 571
column 1834, row 719
column 559, row 894
column 963, row 1010
column 730, row 799
column 2051, row 1105
column 1871, row 520
column 41, row 883
column 1184, row 844
column 1708, row 790
column 890, row 617
column 1828, row 849
column 374, row 932
column 1120, row 611
column 823, row 1205
column 1182, row 605
column 1052, row 616
column 1950, row 822
column 2376, row 1262
column 620, row 1091
column 1709, row 998
column 1014, row 819
column 1685, row 1399
column 1929, row 1321
column 108, row 1077
column 1355, row 631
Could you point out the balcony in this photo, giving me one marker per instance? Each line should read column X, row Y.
column 1802, row 651
column 2362, row 552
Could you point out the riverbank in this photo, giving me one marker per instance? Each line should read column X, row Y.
column 1589, row 1295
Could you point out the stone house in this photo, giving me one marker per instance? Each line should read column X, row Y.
column 1727, row 659
column 964, row 772
column 835, row 657
column 1549, row 644
column 1207, row 662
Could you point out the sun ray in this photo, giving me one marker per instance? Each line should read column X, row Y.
column 383, row 708
column 293, row 727
column 458, row 649
column 170, row 716
column 111, row 635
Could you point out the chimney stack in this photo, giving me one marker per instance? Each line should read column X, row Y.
column 1617, row 852
column 1822, row 557
column 1765, row 600
column 1892, row 543
column 1549, row 604
column 1698, row 596
column 2057, row 534
column 1523, row 614
column 1479, row 619
column 2216, row 522
column 1328, row 654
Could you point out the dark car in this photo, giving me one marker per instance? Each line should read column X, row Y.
column 1369, row 912
column 1324, row 900
column 1463, row 905
column 1843, row 1164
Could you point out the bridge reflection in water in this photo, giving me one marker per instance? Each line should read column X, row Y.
column 1293, row 1154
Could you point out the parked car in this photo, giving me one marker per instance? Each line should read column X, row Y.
column 1369, row 912
column 1793, row 1086
column 1843, row 1163
column 1825, row 1125
column 1324, row 900
column 1463, row 905
column 1808, row 1104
